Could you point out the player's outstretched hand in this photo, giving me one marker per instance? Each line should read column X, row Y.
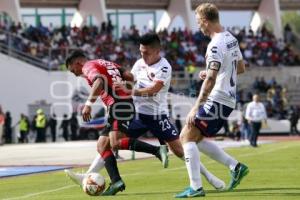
column 202, row 75
column 86, row 113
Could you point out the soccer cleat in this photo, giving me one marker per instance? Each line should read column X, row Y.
column 237, row 176
column 163, row 151
column 190, row 192
column 216, row 183
column 114, row 188
column 75, row 177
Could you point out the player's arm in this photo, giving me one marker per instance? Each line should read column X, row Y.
column 95, row 91
column 126, row 75
column 240, row 67
column 149, row 91
column 158, row 83
column 207, row 86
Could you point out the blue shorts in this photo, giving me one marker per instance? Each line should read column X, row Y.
column 211, row 117
column 160, row 126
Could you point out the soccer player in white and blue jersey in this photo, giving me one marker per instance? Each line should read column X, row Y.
column 152, row 75
column 215, row 102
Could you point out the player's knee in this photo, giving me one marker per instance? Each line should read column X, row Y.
column 183, row 138
column 102, row 144
column 176, row 148
column 178, row 152
column 114, row 145
column 100, row 149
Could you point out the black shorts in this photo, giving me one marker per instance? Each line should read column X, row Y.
column 120, row 115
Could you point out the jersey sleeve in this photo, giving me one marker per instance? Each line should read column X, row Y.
column 91, row 72
column 214, row 57
column 164, row 74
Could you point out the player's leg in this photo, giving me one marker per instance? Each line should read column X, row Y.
column 216, row 153
column 176, row 147
column 97, row 164
column 119, row 140
column 237, row 169
column 131, row 142
column 127, row 122
column 111, row 167
column 210, row 123
column 189, row 137
column 164, row 130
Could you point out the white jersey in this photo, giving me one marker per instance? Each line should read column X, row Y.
column 223, row 54
column 146, row 76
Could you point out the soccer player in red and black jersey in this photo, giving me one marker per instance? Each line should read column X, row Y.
column 101, row 76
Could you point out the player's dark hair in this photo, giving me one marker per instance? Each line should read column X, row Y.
column 150, row 39
column 73, row 56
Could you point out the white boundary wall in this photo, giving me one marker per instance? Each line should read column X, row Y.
column 22, row 84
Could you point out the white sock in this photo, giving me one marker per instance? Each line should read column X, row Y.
column 97, row 165
column 212, row 150
column 208, row 175
column 205, row 172
column 192, row 162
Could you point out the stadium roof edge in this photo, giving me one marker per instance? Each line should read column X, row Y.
column 161, row 4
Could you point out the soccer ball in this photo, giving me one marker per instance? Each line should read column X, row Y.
column 93, row 184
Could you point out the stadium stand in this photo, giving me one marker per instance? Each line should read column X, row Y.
column 181, row 47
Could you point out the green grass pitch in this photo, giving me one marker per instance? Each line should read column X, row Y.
column 274, row 174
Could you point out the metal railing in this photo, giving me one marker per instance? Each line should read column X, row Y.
column 8, row 42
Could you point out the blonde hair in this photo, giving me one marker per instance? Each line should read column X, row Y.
column 208, row 11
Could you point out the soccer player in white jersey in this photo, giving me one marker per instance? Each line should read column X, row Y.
column 214, row 103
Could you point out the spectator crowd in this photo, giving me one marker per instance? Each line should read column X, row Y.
column 181, row 47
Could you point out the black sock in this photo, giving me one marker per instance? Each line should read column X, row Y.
column 137, row 145
column 112, row 168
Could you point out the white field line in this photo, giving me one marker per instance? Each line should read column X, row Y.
column 134, row 174
column 57, row 189
column 39, row 193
